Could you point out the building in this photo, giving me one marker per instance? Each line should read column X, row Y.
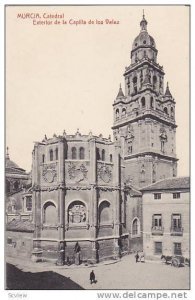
column 17, row 187
column 144, row 118
column 166, row 218
column 86, row 199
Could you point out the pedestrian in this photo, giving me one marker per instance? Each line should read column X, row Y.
column 137, row 257
column 92, row 277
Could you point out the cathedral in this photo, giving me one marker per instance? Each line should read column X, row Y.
column 86, row 198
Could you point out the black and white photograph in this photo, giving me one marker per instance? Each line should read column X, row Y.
column 97, row 148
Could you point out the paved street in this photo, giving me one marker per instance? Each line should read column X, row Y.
column 124, row 274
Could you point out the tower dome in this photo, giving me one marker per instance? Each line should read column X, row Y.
column 144, row 44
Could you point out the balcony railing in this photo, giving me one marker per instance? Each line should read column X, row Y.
column 177, row 231
column 157, row 230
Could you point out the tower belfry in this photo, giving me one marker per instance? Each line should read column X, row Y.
column 144, row 116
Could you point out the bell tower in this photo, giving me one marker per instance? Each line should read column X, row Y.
column 144, row 116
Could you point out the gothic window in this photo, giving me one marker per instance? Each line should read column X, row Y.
column 56, row 153
column 117, row 113
column 123, row 112
column 110, row 157
column 49, row 213
column 136, row 227
column 166, row 110
column 103, row 155
column 7, row 186
column 77, row 212
column 28, row 203
column 43, row 158
column 151, row 102
column 51, row 155
column 74, row 153
column 82, row 153
column 143, row 101
column 104, row 212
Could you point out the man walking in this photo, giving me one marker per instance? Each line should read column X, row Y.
column 137, row 257
column 92, row 277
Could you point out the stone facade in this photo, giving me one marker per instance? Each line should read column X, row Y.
column 144, row 118
column 79, row 198
column 166, row 218
column 86, row 200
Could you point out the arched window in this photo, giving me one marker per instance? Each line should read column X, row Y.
column 104, row 212
column 16, row 185
column 117, row 113
column 151, row 102
column 77, row 212
column 172, row 112
column 56, row 153
column 123, row 112
column 103, row 154
column 110, row 157
column 7, row 186
column 166, row 110
column 130, row 147
column 82, row 153
column 98, row 154
column 51, row 155
column 154, row 82
column 143, row 101
column 74, row 153
column 135, row 84
column 50, row 213
column 136, row 227
column 134, row 80
column 43, row 158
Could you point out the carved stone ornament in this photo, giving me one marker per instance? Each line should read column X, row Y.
column 130, row 134
column 77, row 172
column 163, row 135
column 105, row 173
column 49, row 173
column 77, row 213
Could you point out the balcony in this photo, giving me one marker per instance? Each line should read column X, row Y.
column 176, row 231
column 157, row 230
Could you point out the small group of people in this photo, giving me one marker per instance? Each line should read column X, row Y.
column 139, row 257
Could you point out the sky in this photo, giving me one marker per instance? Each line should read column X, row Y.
column 66, row 76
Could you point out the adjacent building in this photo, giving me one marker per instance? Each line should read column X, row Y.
column 166, row 216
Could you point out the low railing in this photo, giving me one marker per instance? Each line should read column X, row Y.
column 177, row 231
column 157, row 230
